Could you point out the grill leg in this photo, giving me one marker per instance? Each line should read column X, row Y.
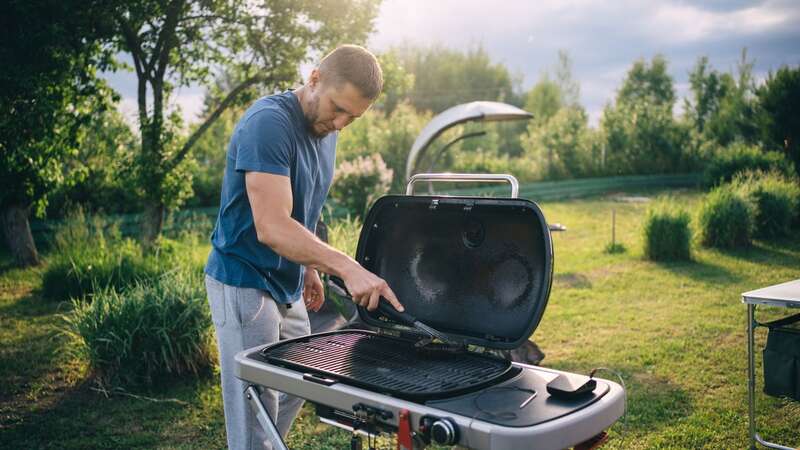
column 273, row 435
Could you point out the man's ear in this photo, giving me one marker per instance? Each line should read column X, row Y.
column 313, row 79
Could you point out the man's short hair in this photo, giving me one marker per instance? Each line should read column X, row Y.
column 355, row 65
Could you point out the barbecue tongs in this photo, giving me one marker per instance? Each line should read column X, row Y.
column 386, row 308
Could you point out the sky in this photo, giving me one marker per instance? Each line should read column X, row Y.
column 603, row 39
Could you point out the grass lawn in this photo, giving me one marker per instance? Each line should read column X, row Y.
column 674, row 332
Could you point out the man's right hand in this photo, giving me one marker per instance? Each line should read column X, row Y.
column 366, row 288
column 271, row 200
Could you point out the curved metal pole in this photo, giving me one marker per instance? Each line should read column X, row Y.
column 445, row 147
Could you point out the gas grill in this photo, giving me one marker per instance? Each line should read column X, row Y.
column 478, row 270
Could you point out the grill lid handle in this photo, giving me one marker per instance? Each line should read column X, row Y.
column 465, row 177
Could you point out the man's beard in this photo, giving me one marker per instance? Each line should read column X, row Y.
column 311, row 117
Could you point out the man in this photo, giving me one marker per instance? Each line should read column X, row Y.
column 264, row 253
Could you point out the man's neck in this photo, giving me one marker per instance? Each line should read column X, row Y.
column 301, row 94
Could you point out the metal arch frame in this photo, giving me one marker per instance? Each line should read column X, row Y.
column 486, row 111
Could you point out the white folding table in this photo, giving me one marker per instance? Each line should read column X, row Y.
column 785, row 295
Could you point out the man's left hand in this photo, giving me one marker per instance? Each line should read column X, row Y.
column 313, row 291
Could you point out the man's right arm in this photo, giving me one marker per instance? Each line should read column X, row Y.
column 270, row 198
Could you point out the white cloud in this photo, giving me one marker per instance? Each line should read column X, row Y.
column 686, row 23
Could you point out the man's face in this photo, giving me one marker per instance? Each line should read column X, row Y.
column 332, row 108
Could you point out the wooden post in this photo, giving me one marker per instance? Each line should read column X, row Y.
column 613, row 228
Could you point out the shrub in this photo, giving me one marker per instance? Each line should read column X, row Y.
column 150, row 330
column 613, row 248
column 392, row 136
column 88, row 255
column 667, row 235
column 738, row 158
column 359, row 182
column 775, row 198
column 726, row 218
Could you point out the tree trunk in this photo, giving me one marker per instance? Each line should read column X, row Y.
column 152, row 222
column 17, row 231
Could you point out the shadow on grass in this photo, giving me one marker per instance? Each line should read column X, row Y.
column 652, row 402
column 175, row 414
column 33, row 305
column 784, row 253
column 572, row 280
column 31, row 344
column 700, row 271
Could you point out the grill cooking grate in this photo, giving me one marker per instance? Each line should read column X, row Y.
column 387, row 364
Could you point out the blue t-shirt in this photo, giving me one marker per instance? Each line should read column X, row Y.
column 272, row 137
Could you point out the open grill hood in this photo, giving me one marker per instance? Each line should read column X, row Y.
column 478, row 269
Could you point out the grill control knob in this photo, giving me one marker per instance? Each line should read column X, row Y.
column 444, row 431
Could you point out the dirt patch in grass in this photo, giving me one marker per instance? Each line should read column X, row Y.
column 572, row 280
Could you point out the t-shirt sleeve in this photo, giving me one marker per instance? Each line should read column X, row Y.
column 263, row 144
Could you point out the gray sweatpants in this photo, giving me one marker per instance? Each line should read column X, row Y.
column 245, row 318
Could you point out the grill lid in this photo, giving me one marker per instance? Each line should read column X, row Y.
column 478, row 269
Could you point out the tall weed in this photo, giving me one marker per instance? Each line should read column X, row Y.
column 667, row 235
column 726, row 218
column 89, row 254
column 727, row 162
column 776, row 199
column 152, row 329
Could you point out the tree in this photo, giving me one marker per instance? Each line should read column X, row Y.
column 563, row 148
column 648, row 83
column 641, row 135
column 99, row 176
column 209, row 154
column 735, row 120
column 391, row 136
column 779, row 117
column 570, row 89
column 708, row 89
column 544, row 100
column 444, row 78
column 397, row 83
column 49, row 90
column 558, row 138
column 182, row 42
column 642, row 138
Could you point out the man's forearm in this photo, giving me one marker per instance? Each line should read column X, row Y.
column 293, row 241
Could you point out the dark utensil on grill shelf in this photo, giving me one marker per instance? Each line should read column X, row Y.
column 386, row 308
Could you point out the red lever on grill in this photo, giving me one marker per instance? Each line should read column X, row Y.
column 405, row 440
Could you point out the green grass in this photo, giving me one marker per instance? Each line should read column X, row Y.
column 676, row 333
